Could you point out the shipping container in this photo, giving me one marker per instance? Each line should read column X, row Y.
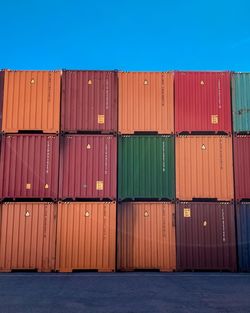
column 146, row 167
column 242, row 167
column 146, row 236
column 1, row 96
column 243, row 236
column 27, row 236
column 89, row 101
column 31, row 101
column 88, row 167
column 146, row 102
column 205, row 236
column 204, row 168
column 202, row 102
column 86, row 236
column 241, row 102
column 29, row 166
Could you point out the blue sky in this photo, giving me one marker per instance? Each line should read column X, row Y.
column 127, row 35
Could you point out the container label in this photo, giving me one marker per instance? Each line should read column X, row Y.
column 28, row 186
column 214, row 119
column 101, row 119
column 88, row 146
column 46, row 186
column 186, row 212
column 223, row 225
column 99, row 185
column 27, row 214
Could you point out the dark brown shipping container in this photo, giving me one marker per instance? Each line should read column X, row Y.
column 88, row 167
column 242, row 167
column 86, row 236
column 205, row 236
column 29, row 166
column 146, row 236
column 27, row 236
column 89, row 101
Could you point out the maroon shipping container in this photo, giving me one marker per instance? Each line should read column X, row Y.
column 202, row 102
column 89, row 101
column 88, row 167
column 1, row 96
column 205, row 236
column 242, row 167
column 29, row 166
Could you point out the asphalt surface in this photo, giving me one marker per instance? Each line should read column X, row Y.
column 124, row 292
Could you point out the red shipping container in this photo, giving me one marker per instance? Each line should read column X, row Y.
column 205, row 236
column 202, row 102
column 29, row 166
column 88, row 167
column 242, row 167
column 89, row 101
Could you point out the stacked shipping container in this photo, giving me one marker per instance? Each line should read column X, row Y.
column 204, row 171
column 146, row 171
column 241, row 122
column 58, row 170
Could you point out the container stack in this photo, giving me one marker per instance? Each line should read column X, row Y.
column 205, row 222
column 86, row 227
column 146, row 178
column 241, row 128
column 29, row 167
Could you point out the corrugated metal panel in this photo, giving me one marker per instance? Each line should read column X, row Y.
column 146, row 167
column 31, row 101
column 86, row 236
column 146, row 236
column 88, row 167
column 202, row 102
column 241, row 101
column 205, row 236
column 243, row 235
column 89, row 101
column 27, row 236
column 29, row 166
column 204, row 167
column 242, row 167
column 146, row 102
column 1, row 96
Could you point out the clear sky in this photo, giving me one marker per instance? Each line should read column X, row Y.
column 127, row 35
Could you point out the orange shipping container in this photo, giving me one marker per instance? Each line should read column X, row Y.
column 146, row 236
column 31, row 101
column 27, row 236
column 204, row 167
column 146, row 102
column 86, row 236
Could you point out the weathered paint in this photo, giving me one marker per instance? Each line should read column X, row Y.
column 202, row 102
column 146, row 236
column 204, row 167
column 243, row 235
column 88, row 167
column 27, row 236
column 205, row 236
column 241, row 102
column 89, row 101
column 86, row 236
column 146, row 102
column 146, row 167
column 29, row 166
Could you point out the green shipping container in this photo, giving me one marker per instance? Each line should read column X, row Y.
column 146, row 167
column 241, row 102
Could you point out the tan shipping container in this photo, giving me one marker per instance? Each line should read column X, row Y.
column 204, row 168
column 146, row 236
column 31, row 101
column 27, row 236
column 146, row 102
column 86, row 236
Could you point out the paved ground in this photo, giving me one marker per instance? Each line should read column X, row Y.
column 125, row 292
